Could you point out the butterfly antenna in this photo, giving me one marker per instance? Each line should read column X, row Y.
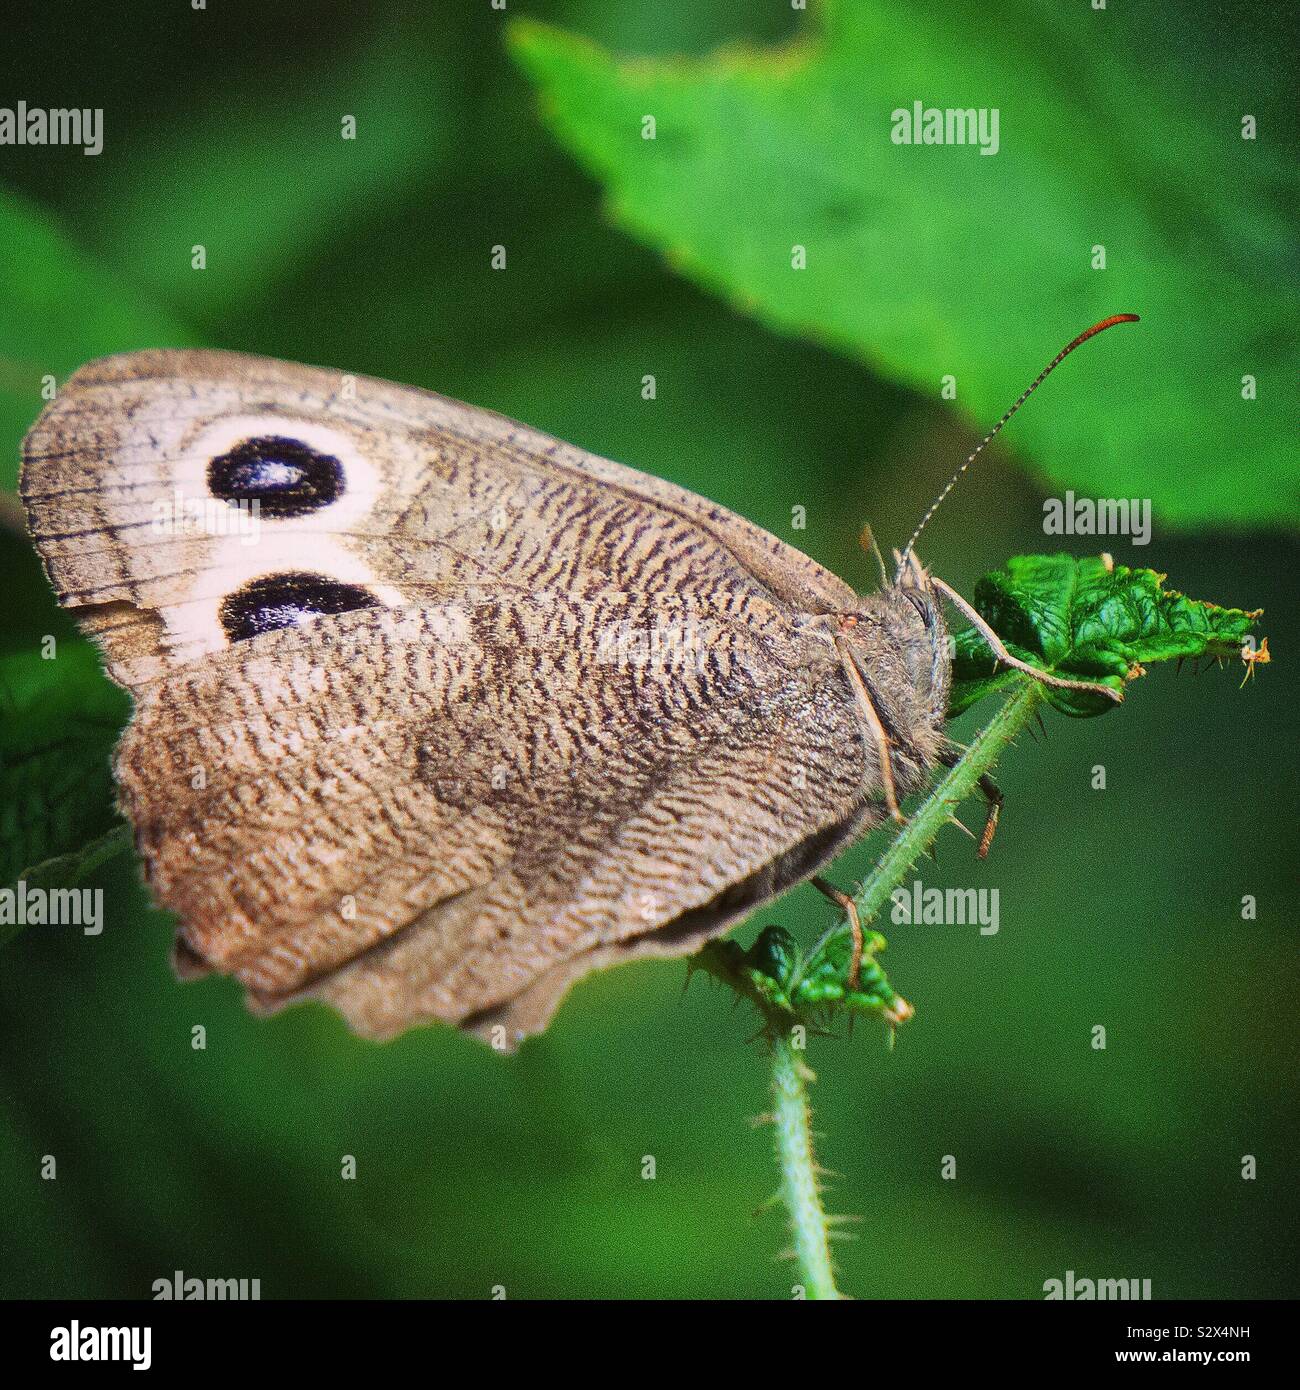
column 1020, row 400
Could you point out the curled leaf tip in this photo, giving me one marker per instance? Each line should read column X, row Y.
column 1254, row 656
column 789, row 987
column 900, row 1012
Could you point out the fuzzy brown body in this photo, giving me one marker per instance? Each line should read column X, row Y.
column 548, row 713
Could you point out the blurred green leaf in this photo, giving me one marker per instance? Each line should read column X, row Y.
column 60, row 309
column 1086, row 620
column 263, row 178
column 61, row 720
column 918, row 257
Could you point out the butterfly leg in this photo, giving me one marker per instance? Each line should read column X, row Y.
column 850, row 908
column 868, row 708
column 993, row 801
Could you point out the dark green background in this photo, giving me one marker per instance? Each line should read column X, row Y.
column 1119, row 907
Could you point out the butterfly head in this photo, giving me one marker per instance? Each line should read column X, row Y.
column 898, row 639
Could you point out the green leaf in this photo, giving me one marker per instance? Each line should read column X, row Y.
column 930, row 261
column 60, row 309
column 269, row 179
column 61, row 720
column 1088, row 620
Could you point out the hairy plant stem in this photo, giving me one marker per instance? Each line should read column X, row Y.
column 794, row 1151
column 799, row 1188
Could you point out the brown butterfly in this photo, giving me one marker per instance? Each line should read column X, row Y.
column 433, row 713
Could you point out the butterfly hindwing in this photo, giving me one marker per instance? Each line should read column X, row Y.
column 420, row 813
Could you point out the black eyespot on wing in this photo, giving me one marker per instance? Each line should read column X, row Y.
column 284, row 476
column 284, row 600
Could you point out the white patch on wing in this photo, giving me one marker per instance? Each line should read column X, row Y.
column 279, row 544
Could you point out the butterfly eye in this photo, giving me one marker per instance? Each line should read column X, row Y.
column 284, row 476
column 285, row 600
column 918, row 599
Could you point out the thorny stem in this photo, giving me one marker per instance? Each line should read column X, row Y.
column 67, row 870
column 936, row 810
column 799, row 1188
column 794, row 1151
